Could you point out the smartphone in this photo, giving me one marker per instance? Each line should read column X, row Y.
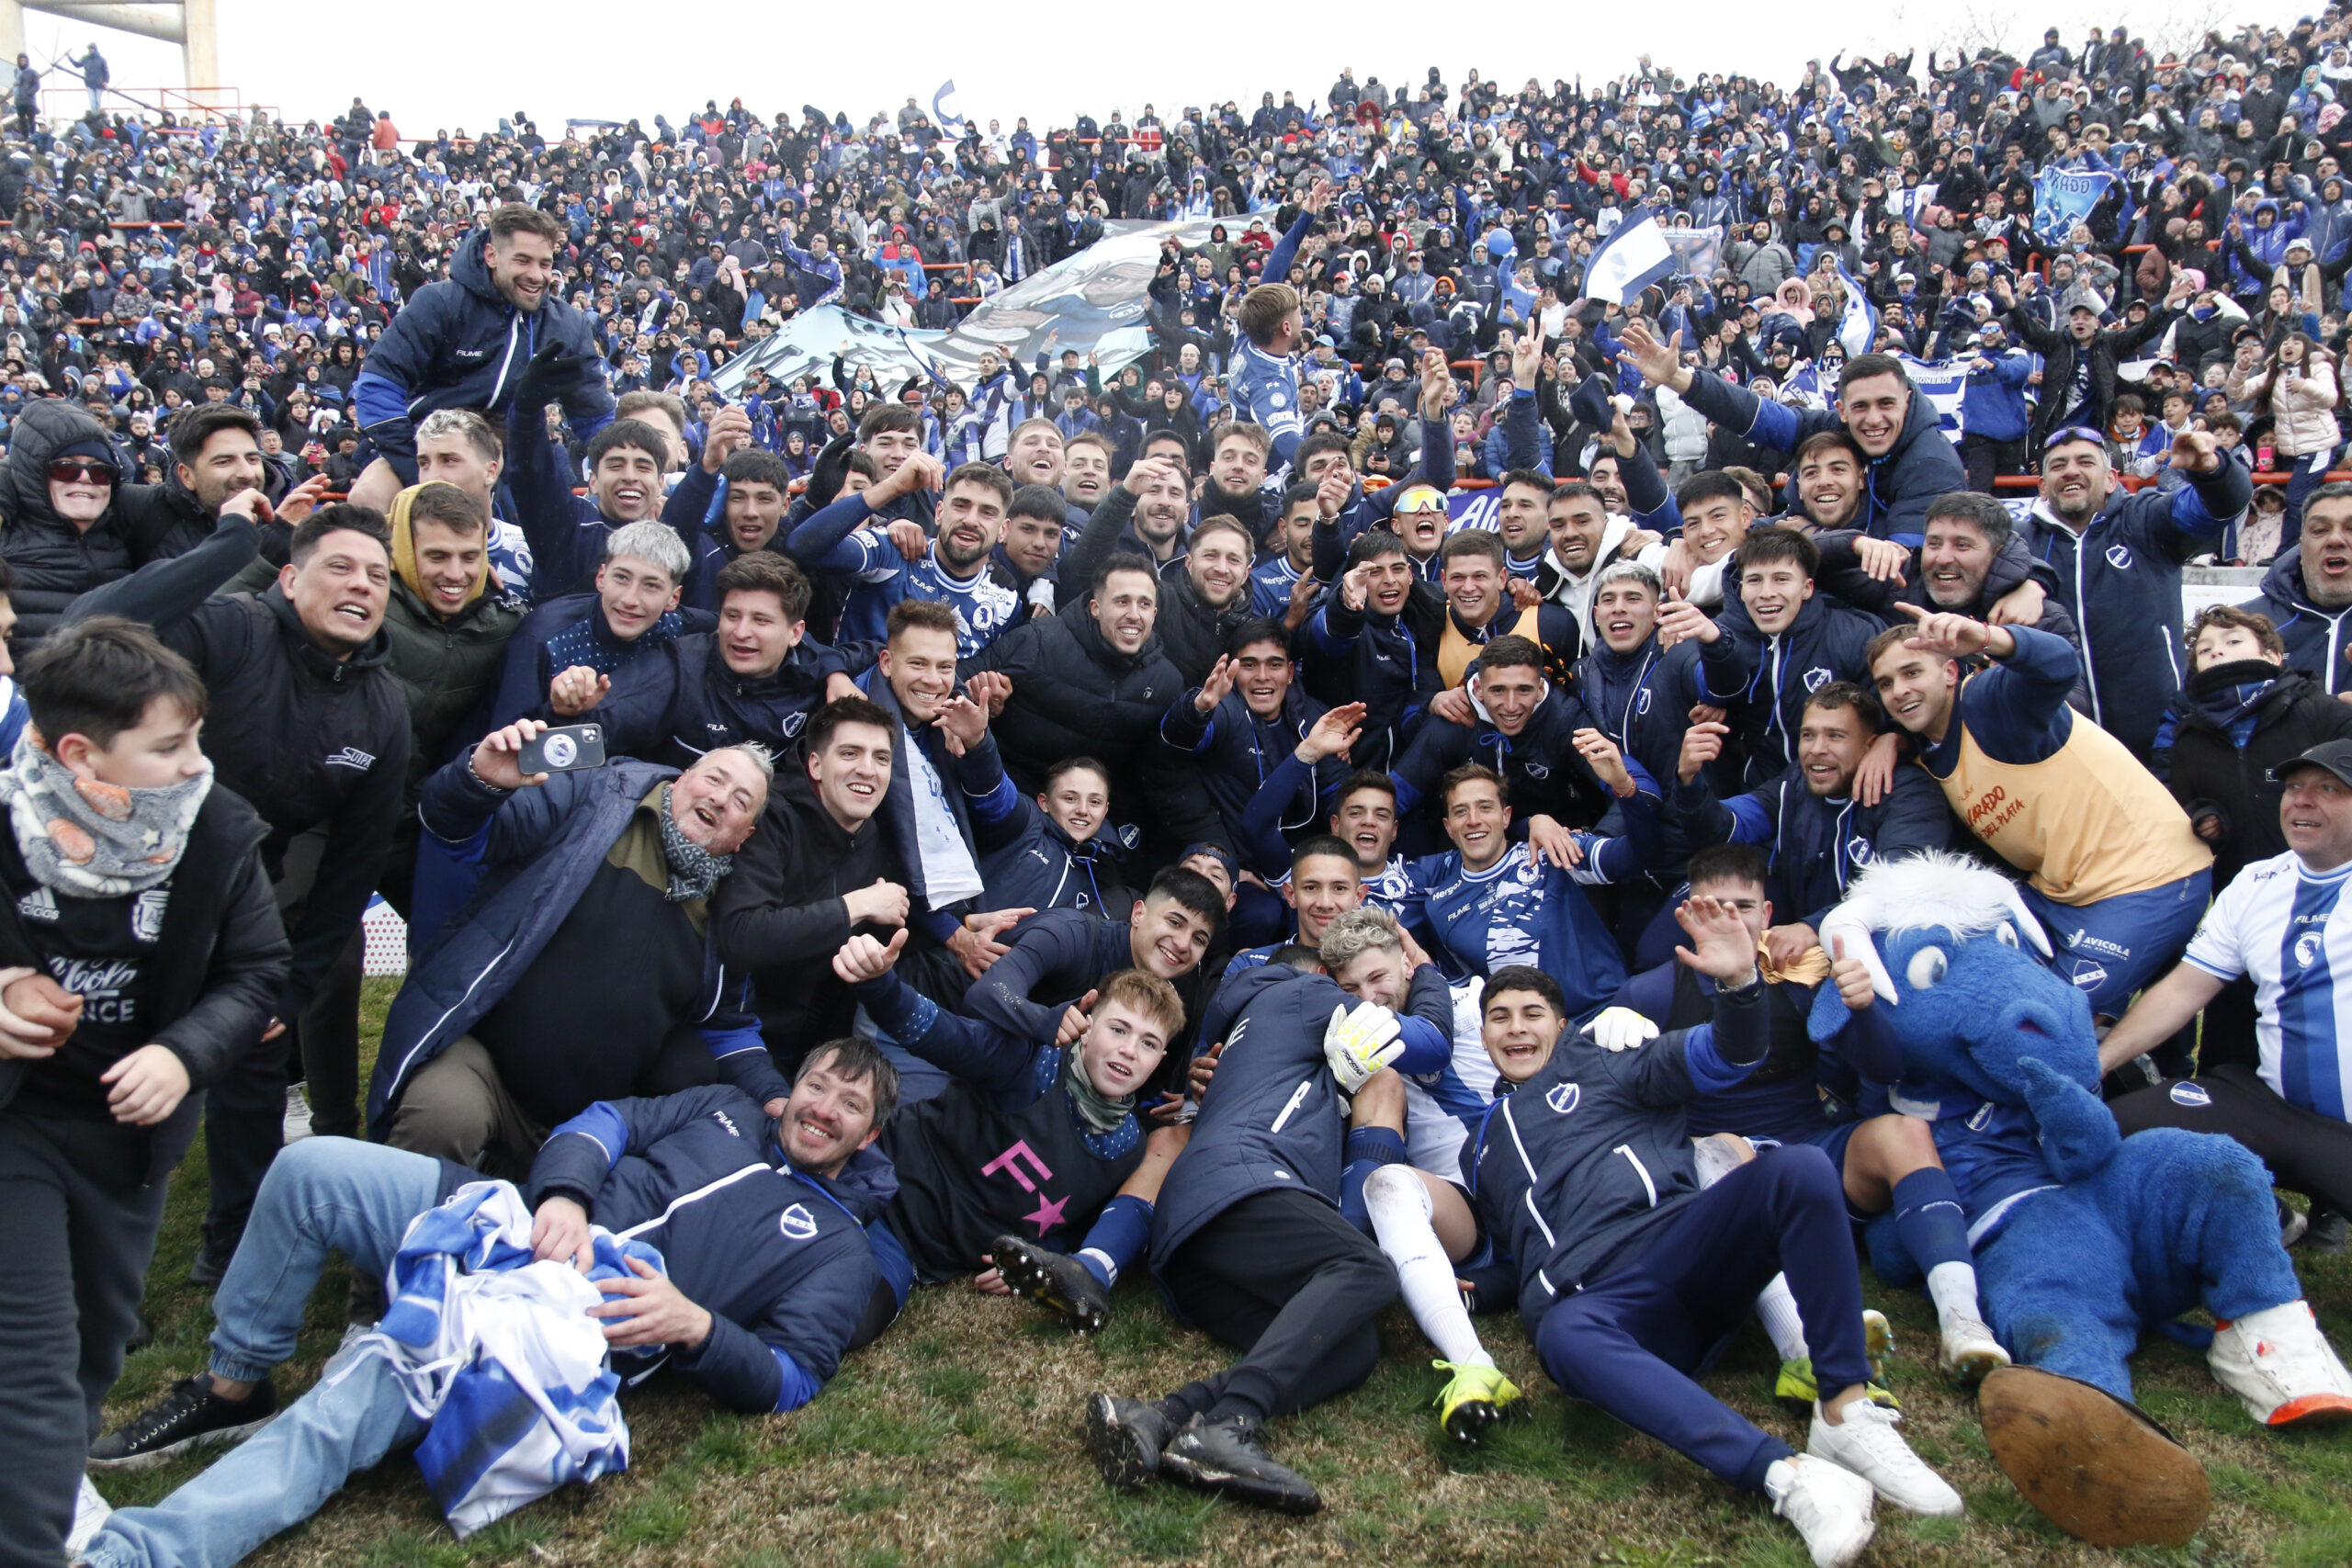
column 563, row 750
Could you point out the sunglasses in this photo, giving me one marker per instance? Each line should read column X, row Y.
column 80, row 470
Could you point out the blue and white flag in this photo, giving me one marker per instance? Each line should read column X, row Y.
column 2062, row 197
column 1943, row 382
column 950, row 123
column 1858, row 326
column 1636, row 255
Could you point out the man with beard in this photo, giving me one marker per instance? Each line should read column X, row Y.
column 216, row 453
column 1145, row 514
column 2118, row 557
column 1586, row 539
column 1237, row 478
column 1038, row 454
column 1203, row 597
column 954, row 571
column 1289, row 558
column 1828, row 467
column 1970, row 561
column 2307, row 589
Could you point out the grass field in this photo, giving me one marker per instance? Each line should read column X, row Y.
column 955, row 1441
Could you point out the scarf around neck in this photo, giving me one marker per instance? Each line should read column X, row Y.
column 93, row 840
column 1098, row 1110
column 694, row 871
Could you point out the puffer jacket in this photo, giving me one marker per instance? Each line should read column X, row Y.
column 2302, row 410
column 458, row 344
column 54, row 562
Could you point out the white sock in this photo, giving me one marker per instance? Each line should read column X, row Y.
column 1110, row 1265
column 1777, row 1306
column 1778, row 1476
column 1400, row 1205
column 1952, row 1287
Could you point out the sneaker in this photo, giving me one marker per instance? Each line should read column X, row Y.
column 1867, row 1443
column 1223, row 1456
column 297, row 1125
column 1054, row 1279
column 190, row 1416
column 1967, row 1350
column 2281, row 1367
column 1830, row 1508
column 2292, row 1223
column 1795, row 1391
column 90, row 1511
column 1125, row 1437
column 1474, row 1400
column 2328, row 1234
column 211, row 1263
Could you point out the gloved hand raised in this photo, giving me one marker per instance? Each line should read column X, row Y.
column 553, row 373
column 1359, row 1043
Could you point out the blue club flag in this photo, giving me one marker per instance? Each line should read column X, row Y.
column 1858, row 326
column 950, row 123
column 1634, row 256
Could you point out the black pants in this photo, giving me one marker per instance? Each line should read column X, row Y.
column 2306, row 1152
column 1984, row 458
column 78, row 1220
column 1295, row 1287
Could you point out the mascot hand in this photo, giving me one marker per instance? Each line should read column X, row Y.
column 1621, row 1029
column 1359, row 1043
column 2079, row 1133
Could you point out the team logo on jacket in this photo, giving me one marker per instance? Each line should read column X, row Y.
column 351, row 757
column 1857, row 849
column 147, row 914
column 2191, row 1095
column 797, row 1223
column 1563, row 1098
column 2119, row 556
column 2306, row 949
column 1539, row 770
column 1816, row 678
column 1641, row 701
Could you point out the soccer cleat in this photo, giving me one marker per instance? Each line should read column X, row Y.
column 1473, row 1400
column 1053, row 1279
column 296, row 1125
column 1223, row 1456
column 1867, row 1443
column 1124, row 1437
column 190, row 1416
column 1966, row 1350
column 2326, row 1235
column 90, row 1512
column 1878, row 1345
column 2281, row 1367
column 1795, row 1389
column 1830, row 1508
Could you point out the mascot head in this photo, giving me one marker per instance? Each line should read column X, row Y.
column 1952, row 951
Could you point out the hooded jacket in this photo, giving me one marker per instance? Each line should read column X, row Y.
column 2225, row 730
column 1765, row 680
column 1897, row 487
column 458, row 344
column 2059, row 351
column 2315, row 635
column 681, row 700
column 53, row 561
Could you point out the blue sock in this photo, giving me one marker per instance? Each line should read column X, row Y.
column 1368, row 1148
column 1928, row 1216
column 1119, row 1236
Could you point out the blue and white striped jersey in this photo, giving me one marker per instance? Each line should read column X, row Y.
column 2288, row 929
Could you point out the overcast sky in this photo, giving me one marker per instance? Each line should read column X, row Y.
column 436, row 65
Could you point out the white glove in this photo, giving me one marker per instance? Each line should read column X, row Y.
column 1360, row 1043
column 1621, row 1029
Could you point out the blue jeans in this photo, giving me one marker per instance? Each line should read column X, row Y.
column 321, row 1195
column 2112, row 948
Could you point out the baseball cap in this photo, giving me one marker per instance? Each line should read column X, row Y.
column 2335, row 756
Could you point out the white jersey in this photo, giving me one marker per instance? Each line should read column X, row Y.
column 2290, row 929
column 1442, row 1106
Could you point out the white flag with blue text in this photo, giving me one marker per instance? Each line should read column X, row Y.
column 1858, row 325
column 1636, row 255
column 1943, row 382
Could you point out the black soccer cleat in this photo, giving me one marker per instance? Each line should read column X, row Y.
column 1053, row 1279
column 190, row 1416
column 1223, row 1456
column 1125, row 1437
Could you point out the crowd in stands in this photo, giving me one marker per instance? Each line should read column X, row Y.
column 1077, row 822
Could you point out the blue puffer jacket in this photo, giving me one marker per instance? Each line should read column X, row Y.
column 537, row 849
column 458, row 344
column 2315, row 635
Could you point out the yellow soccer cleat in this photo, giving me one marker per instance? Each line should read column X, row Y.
column 1474, row 1400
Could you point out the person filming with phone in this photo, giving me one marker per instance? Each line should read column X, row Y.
column 581, row 968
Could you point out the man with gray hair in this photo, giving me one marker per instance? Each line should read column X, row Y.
column 570, row 648
column 581, row 968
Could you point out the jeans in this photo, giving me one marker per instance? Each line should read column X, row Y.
column 2304, row 475
column 323, row 1195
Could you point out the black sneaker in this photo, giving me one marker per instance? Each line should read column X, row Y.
column 1125, row 1437
column 2327, row 1235
column 1223, row 1456
column 190, row 1416
column 1054, row 1279
column 211, row 1263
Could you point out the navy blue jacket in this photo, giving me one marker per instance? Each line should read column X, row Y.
column 1029, row 863
column 682, row 700
column 777, row 1255
column 2121, row 581
column 567, row 533
column 974, row 783
column 1764, row 681
column 1642, row 699
column 1238, row 752
column 1815, row 845
column 561, row 632
column 2315, row 635
column 1897, row 488
column 1544, row 771
column 1355, row 656
column 458, row 344
column 1581, row 1163
column 1272, row 1117
column 538, row 848
column 1056, row 957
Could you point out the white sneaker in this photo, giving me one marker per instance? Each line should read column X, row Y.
column 1968, row 1351
column 1867, row 1443
column 2281, row 1367
column 90, row 1511
column 1829, row 1507
column 297, row 1125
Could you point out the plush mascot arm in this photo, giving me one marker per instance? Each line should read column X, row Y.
column 2078, row 1132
